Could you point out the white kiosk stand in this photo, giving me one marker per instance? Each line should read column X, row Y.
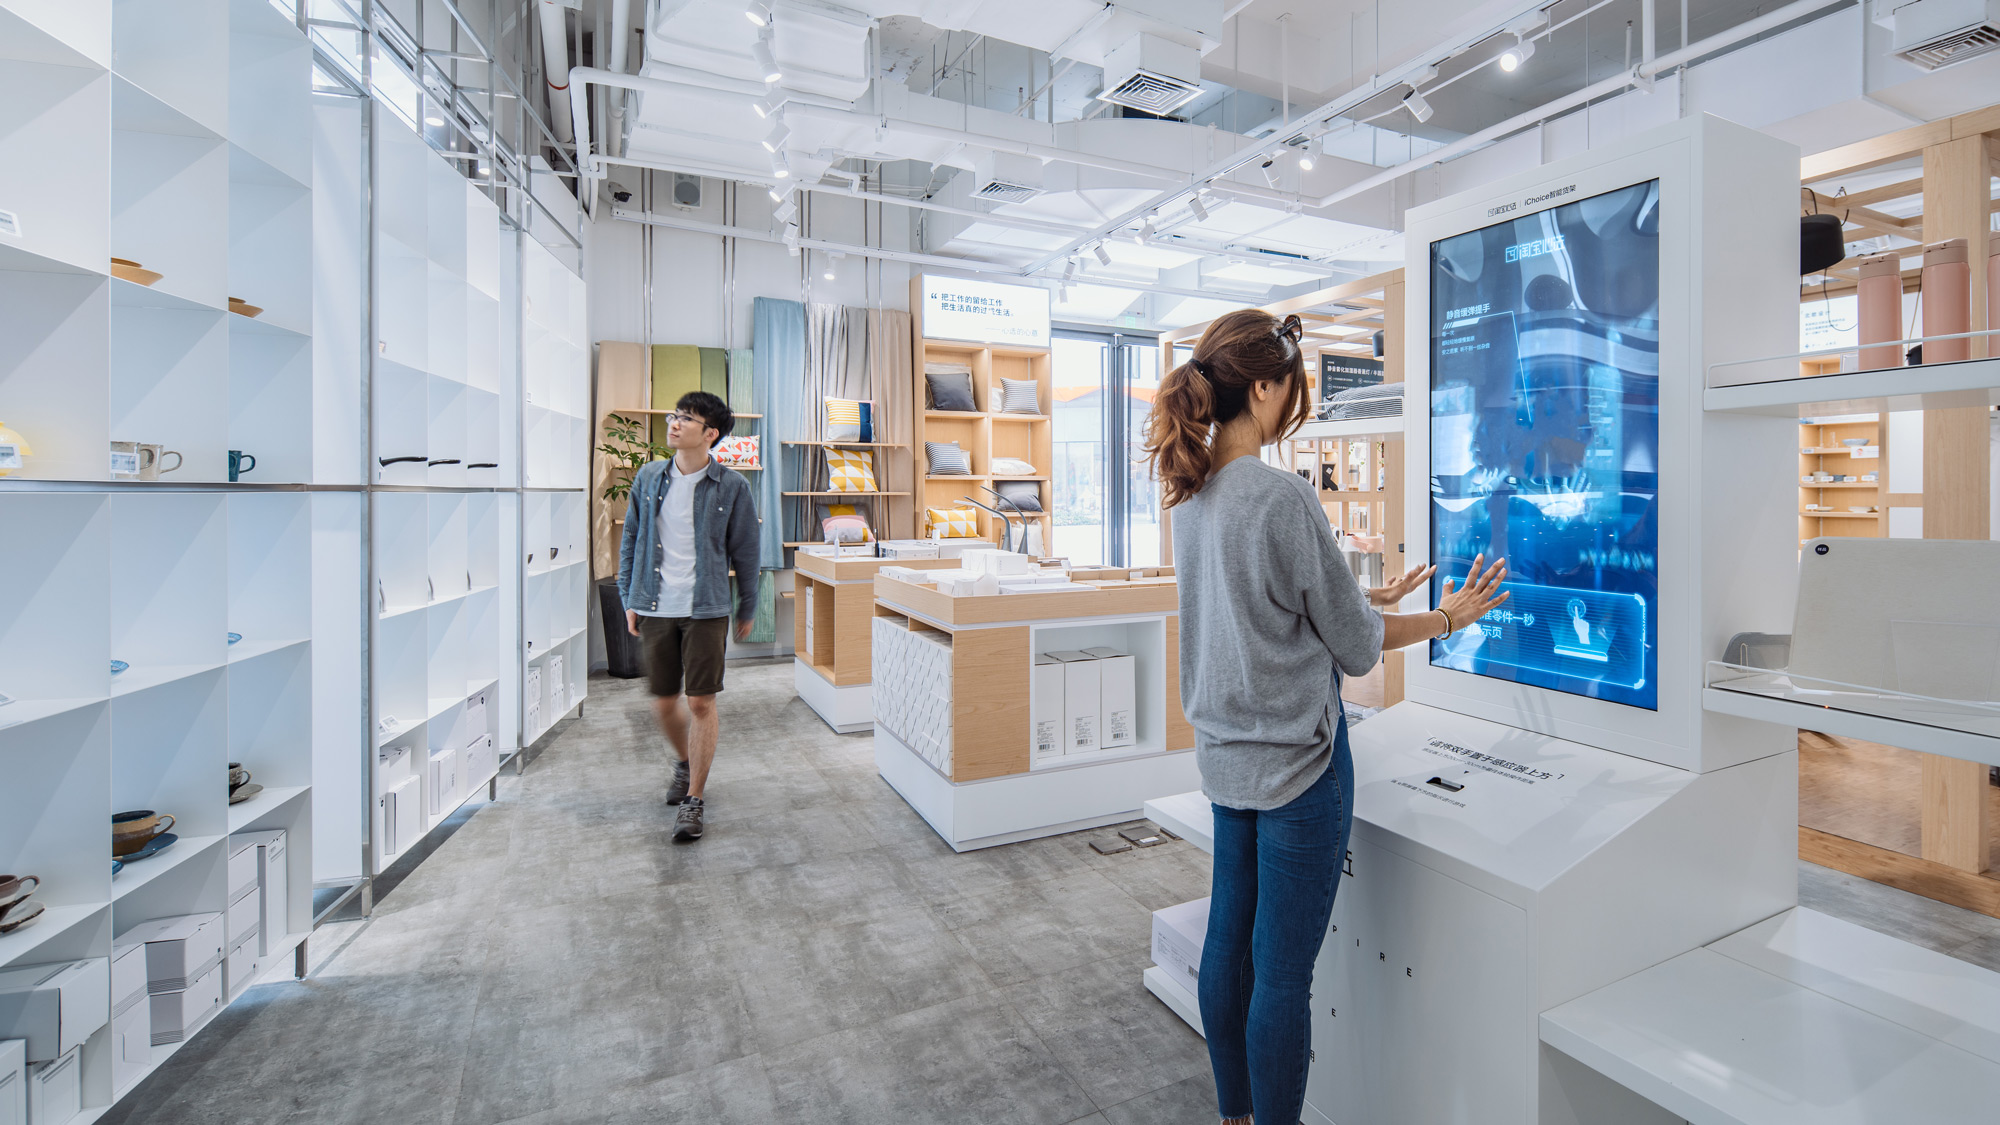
column 1552, row 813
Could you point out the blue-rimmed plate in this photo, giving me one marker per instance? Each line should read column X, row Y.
column 153, row 847
column 117, row 865
column 234, row 637
column 118, row 666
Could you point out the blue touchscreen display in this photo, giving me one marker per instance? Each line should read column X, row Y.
column 1545, row 433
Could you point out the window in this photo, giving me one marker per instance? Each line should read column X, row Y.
column 1106, row 504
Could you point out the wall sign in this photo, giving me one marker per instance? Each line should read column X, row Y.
column 985, row 312
column 1345, row 372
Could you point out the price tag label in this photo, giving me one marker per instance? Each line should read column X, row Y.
column 124, row 464
column 1045, row 737
column 10, row 224
column 10, row 456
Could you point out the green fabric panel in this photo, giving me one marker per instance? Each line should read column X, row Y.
column 764, row 627
column 715, row 372
column 742, row 382
column 676, row 371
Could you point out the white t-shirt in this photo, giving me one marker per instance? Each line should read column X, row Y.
column 676, row 530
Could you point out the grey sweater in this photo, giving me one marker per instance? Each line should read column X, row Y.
column 1268, row 608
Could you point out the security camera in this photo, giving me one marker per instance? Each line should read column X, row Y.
column 620, row 192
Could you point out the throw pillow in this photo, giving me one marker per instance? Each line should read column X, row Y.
column 1018, row 396
column 740, row 451
column 950, row 390
column 947, row 459
column 1024, row 495
column 843, row 419
column 844, row 529
column 849, row 470
column 951, row 523
column 1012, row 467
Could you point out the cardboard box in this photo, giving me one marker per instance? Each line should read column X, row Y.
column 55, row 1089
column 178, row 949
column 131, row 1043
column 1045, row 706
column 1178, row 934
column 13, row 1082
column 1117, row 702
column 175, row 1014
column 1080, row 701
column 56, row 1006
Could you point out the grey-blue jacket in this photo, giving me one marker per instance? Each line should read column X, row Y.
column 725, row 535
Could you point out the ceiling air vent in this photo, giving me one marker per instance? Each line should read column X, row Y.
column 1006, row 177
column 1938, row 33
column 1151, row 74
column 1004, row 191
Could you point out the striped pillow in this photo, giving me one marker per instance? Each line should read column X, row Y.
column 843, row 419
column 1017, row 396
column 947, row 459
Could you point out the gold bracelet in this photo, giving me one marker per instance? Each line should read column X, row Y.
column 1449, row 629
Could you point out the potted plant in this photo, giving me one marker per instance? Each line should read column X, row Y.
column 629, row 448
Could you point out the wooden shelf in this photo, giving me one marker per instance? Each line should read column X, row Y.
column 1020, row 417
column 848, row 444
column 966, row 414
column 1000, row 477
column 956, row 476
column 1842, row 484
column 732, row 414
column 1840, row 515
column 845, row 494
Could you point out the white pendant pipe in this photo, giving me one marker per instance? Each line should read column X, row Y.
column 555, row 70
column 621, row 38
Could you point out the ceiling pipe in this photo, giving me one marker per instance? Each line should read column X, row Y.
column 555, row 71
column 1637, row 75
column 621, row 39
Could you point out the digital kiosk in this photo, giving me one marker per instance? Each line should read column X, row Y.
column 1551, row 810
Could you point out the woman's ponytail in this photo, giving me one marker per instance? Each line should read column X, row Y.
column 1239, row 350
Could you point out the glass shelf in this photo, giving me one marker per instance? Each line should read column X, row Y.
column 1957, row 728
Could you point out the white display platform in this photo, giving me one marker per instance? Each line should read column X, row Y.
column 1185, row 1004
column 1025, row 806
column 1799, row 1019
column 848, row 710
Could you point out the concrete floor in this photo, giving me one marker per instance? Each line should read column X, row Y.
column 820, row 957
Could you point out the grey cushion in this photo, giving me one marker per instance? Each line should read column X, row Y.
column 1018, row 396
column 1025, row 495
column 950, row 391
column 947, row 459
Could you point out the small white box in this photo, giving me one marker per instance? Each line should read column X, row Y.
column 1117, row 704
column 243, row 915
column 1045, row 705
column 475, row 716
column 242, row 965
column 175, row 1014
column 242, row 865
column 273, row 889
column 55, row 1006
column 13, row 1082
column 128, row 973
column 443, row 781
column 902, row 549
column 178, row 949
column 480, row 760
column 131, row 1043
column 55, row 1089
column 402, row 819
column 1178, row 935
column 1081, row 688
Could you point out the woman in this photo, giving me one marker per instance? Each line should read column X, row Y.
column 1270, row 618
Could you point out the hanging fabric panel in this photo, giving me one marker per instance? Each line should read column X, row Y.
column 676, row 371
column 742, row 383
column 891, row 384
column 715, row 372
column 779, row 358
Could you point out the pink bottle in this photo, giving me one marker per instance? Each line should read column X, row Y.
column 1879, row 298
column 1947, row 282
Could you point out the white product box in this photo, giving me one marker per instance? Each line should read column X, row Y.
column 1117, row 697
column 128, row 972
column 443, row 781
column 1045, row 705
column 243, row 915
column 558, row 688
column 131, row 1042
column 1080, row 701
column 177, row 1013
column 908, row 549
column 55, row 1089
column 13, row 1082
column 242, row 866
column 54, row 1006
column 242, row 965
column 1178, row 934
column 480, row 760
column 402, row 819
column 178, row 949
column 475, row 716
column 273, row 889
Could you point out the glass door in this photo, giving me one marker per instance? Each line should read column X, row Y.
column 1107, row 508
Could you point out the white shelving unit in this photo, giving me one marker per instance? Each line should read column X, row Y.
column 555, row 425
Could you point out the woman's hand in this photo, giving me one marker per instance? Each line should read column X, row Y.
column 1480, row 593
column 1397, row 589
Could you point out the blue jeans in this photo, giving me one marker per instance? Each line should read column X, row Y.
column 1275, row 876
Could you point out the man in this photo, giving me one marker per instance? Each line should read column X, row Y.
column 690, row 521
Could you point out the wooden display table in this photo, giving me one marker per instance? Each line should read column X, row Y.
column 830, row 634
column 953, row 706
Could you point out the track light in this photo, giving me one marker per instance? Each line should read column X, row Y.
column 1270, row 173
column 786, row 209
column 1069, row 269
column 434, row 121
column 1522, row 50
column 767, row 63
column 1306, row 155
column 1418, row 107
column 776, row 140
column 1103, row 255
column 758, row 13
column 1148, row 230
column 781, row 167
column 828, row 274
column 764, row 107
column 1195, row 205
column 1062, row 293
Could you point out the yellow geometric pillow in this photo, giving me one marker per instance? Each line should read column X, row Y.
column 849, row 470
column 951, row 523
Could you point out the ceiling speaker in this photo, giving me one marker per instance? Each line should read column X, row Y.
column 687, row 191
column 1820, row 244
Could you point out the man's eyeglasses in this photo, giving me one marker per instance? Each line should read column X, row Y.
column 687, row 418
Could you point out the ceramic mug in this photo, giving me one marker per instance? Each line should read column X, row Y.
column 238, row 776
column 152, row 458
column 131, row 831
column 126, row 464
column 240, row 463
column 14, row 888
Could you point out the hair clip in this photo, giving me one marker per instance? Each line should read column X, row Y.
column 1292, row 328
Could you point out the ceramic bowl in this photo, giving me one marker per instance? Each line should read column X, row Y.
column 1857, row 508
column 241, row 307
column 132, row 271
column 159, row 844
column 244, row 792
column 118, row 666
column 20, row 914
column 1854, row 442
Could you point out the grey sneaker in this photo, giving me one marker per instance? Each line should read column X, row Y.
column 677, row 789
column 687, row 823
